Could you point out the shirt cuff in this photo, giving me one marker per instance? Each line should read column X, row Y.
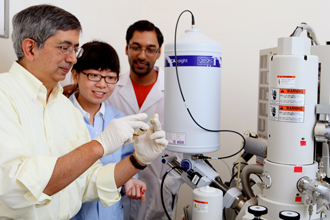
column 35, row 175
column 106, row 185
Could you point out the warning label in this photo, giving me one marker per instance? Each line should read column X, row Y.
column 274, row 96
column 291, row 113
column 287, row 96
column 287, row 105
column 199, row 206
column 176, row 138
column 292, row 108
column 292, row 97
column 273, row 114
column 286, row 81
column 293, row 91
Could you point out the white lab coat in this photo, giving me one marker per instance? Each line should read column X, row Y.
column 123, row 98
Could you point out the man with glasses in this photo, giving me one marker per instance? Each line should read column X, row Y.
column 49, row 165
column 141, row 89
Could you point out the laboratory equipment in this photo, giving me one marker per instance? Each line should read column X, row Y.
column 192, row 111
column 206, row 202
column 257, row 211
column 198, row 59
column 291, row 174
column 288, row 215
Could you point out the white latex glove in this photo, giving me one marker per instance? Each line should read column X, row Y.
column 151, row 144
column 119, row 132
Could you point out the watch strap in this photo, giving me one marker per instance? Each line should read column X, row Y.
column 135, row 163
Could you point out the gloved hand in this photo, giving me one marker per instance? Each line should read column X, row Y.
column 151, row 144
column 120, row 131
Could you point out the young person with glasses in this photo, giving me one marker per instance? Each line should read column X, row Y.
column 141, row 89
column 96, row 73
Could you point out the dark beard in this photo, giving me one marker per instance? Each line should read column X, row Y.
column 140, row 72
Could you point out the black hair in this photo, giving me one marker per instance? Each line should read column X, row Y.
column 144, row 25
column 98, row 55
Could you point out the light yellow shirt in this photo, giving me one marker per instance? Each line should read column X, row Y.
column 33, row 135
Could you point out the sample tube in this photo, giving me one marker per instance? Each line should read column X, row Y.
column 140, row 131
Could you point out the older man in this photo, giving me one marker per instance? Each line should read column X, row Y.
column 49, row 166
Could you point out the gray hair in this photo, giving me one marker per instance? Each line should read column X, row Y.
column 40, row 22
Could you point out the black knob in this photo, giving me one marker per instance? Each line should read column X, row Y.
column 257, row 210
column 287, row 214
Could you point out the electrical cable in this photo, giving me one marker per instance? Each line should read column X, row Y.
column 232, row 178
column 184, row 101
column 176, row 61
column 161, row 189
column 210, row 165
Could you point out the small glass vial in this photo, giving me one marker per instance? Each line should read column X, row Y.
column 140, row 131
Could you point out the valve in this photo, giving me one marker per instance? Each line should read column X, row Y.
column 257, row 211
column 288, row 215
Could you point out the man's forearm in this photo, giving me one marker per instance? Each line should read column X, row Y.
column 124, row 170
column 70, row 166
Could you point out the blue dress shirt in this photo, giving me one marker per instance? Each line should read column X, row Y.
column 95, row 210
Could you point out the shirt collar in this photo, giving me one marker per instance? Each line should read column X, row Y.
column 31, row 84
column 85, row 114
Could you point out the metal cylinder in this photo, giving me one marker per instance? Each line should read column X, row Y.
column 292, row 101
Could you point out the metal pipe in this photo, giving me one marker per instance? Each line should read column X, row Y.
column 303, row 26
column 245, row 177
column 175, row 163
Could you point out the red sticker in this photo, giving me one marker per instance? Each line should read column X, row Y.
column 298, row 199
column 298, row 169
column 302, row 143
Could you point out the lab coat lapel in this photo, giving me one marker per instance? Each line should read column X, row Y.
column 153, row 97
column 157, row 91
column 128, row 94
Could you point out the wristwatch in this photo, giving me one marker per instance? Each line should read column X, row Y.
column 135, row 163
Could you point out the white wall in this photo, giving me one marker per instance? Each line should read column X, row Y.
column 241, row 27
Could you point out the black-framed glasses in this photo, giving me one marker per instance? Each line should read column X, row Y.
column 68, row 48
column 97, row 77
column 149, row 51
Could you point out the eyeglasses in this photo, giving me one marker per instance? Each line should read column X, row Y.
column 97, row 77
column 68, row 48
column 148, row 51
